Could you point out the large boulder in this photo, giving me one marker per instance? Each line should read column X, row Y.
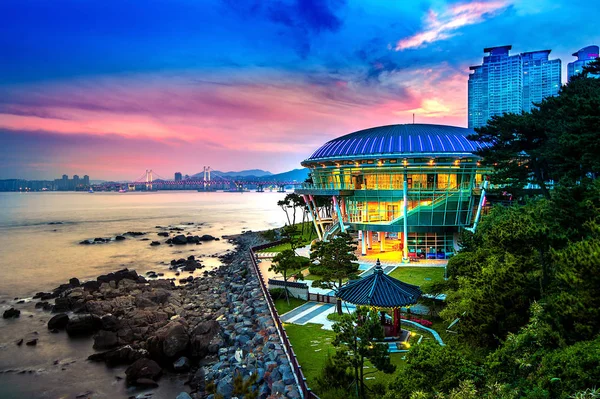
column 142, row 369
column 179, row 240
column 123, row 355
column 83, row 325
column 118, row 276
column 105, row 340
column 58, row 322
column 169, row 341
column 202, row 337
column 11, row 313
column 208, row 237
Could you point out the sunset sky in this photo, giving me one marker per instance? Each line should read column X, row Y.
column 111, row 88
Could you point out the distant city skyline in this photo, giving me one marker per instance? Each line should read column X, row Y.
column 114, row 88
column 510, row 83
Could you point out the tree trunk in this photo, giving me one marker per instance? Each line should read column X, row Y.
column 362, row 375
column 338, row 303
column 540, row 179
column 287, row 297
column 286, row 214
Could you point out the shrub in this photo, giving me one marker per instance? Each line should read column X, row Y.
column 277, row 293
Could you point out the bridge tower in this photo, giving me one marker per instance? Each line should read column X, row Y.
column 206, row 178
column 149, row 179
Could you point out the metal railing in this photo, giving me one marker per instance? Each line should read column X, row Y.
column 289, row 351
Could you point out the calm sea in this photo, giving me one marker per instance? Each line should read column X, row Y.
column 39, row 249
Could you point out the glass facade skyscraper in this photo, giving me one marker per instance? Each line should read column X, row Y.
column 510, row 83
column 584, row 57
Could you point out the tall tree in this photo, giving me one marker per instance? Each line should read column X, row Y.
column 291, row 236
column 515, row 150
column 335, row 262
column 358, row 335
column 284, row 263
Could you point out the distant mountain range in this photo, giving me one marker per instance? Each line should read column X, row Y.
column 241, row 173
column 298, row 175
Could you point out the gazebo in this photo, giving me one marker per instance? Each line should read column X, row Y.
column 381, row 291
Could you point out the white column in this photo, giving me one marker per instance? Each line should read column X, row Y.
column 369, row 239
column 312, row 216
column 382, row 242
column 481, row 205
column 363, row 243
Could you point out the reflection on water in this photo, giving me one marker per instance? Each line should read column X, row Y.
column 38, row 256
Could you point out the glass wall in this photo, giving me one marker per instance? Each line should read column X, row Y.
column 430, row 245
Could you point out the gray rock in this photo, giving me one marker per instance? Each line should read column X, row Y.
column 225, row 387
column 83, row 325
column 123, row 355
column 58, row 321
column 169, row 341
column 143, row 368
column 105, row 340
column 278, row 387
column 181, row 364
column 183, row 395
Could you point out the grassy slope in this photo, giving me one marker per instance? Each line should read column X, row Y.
column 419, row 275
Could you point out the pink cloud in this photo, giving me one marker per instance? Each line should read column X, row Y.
column 263, row 118
column 442, row 26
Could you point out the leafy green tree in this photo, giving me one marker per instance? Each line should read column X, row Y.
column 509, row 267
column 284, row 205
column 357, row 335
column 284, row 263
column 336, row 262
column 516, row 150
column 557, row 141
column 575, row 303
column 431, row 368
column 291, row 235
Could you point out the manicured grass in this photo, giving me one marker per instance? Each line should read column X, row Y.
column 306, row 238
column 421, row 276
column 282, row 306
column 312, row 344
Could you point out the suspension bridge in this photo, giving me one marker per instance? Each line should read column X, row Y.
column 152, row 181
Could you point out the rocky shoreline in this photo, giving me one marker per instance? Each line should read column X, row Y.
column 215, row 328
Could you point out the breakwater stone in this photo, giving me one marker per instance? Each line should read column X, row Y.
column 216, row 328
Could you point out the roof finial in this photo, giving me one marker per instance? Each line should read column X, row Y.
column 378, row 268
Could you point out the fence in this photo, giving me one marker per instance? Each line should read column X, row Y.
column 295, row 290
column 321, row 298
column 304, row 389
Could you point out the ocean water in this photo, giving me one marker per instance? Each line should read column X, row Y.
column 39, row 249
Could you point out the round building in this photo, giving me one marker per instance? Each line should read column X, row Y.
column 406, row 188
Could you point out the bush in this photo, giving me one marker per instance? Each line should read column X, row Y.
column 316, row 270
column 270, row 235
column 334, row 376
column 277, row 293
column 334, row 316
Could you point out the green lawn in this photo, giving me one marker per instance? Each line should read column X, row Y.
column 282, row 306
column 312, row 344
column 306, row 238
column 421, row 276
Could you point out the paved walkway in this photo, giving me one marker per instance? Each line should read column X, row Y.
column 311, row 312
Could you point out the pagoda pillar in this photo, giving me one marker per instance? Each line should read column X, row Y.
column 397, row 325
